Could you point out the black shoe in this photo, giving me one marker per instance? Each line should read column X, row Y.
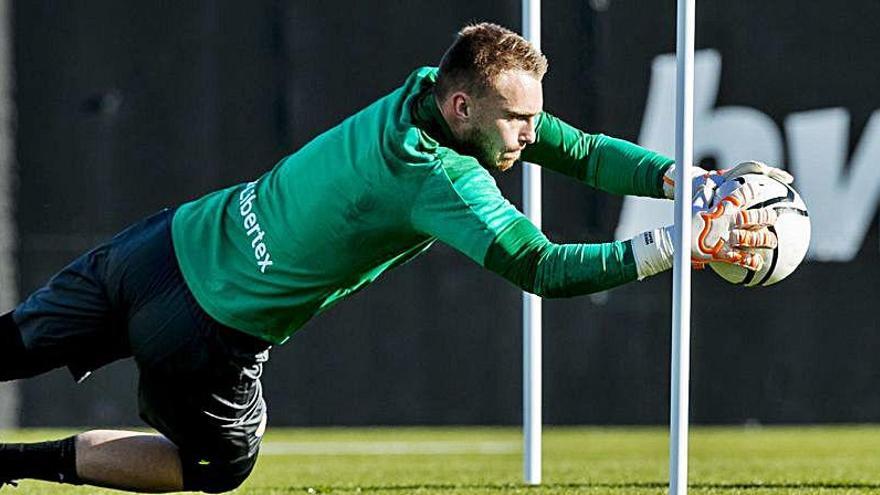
column 8, row 482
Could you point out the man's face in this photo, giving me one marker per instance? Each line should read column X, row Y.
column 503, row 120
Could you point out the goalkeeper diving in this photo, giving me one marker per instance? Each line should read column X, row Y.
column 197, row 294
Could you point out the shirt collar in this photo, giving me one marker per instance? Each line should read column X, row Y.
column 427, row 117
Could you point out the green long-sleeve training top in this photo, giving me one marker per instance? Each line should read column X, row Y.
column 377, row 190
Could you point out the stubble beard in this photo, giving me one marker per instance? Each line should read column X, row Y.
column 477, row 144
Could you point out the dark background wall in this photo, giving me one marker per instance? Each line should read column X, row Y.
column 124, row 108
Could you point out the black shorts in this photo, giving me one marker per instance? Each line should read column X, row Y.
column 199, row 381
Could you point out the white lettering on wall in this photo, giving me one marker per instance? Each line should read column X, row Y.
column 842, row 200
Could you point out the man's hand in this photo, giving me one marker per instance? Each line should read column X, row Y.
column 730, row 233
column 724, row 230
column 711, row 179
column 753, row 167
column 701, row 178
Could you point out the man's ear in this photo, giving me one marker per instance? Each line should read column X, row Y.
column 461, row 106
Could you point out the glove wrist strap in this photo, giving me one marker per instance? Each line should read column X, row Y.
column 653, row 251
column 667, row 182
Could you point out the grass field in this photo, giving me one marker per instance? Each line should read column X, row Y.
column 764, row 460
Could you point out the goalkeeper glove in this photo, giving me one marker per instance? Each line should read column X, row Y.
column 753, row 167
column 700, row 177
column 715, row 178
column 727, row 232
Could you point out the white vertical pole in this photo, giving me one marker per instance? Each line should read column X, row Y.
column 9, row 396
column 531, row 13
column 681, row 285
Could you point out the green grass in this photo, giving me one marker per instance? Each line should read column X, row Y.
column 473, row 461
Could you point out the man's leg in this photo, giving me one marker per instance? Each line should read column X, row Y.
column 49, row 461
column 114, row 459
column 199, row 381
column 128, row 460
column 78, row 320
column 216, row 418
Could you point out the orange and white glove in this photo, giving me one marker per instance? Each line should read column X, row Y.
column 723, row 231
column 703, row 178
column 755, row 167
column 729, row 232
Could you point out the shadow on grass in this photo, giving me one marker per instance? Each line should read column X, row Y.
column 505, row 487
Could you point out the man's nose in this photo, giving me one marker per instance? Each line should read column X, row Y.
column 527, row 136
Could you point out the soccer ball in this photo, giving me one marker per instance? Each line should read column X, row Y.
column 792, row 228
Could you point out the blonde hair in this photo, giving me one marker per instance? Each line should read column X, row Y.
column 480, row 53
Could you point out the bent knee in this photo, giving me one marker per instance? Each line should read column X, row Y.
column 212, row 476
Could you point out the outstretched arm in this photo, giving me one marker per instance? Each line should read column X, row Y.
column 524, row 256
column 461, row 206
column 600, row 161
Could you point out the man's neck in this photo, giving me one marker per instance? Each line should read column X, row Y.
column 446, row 112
